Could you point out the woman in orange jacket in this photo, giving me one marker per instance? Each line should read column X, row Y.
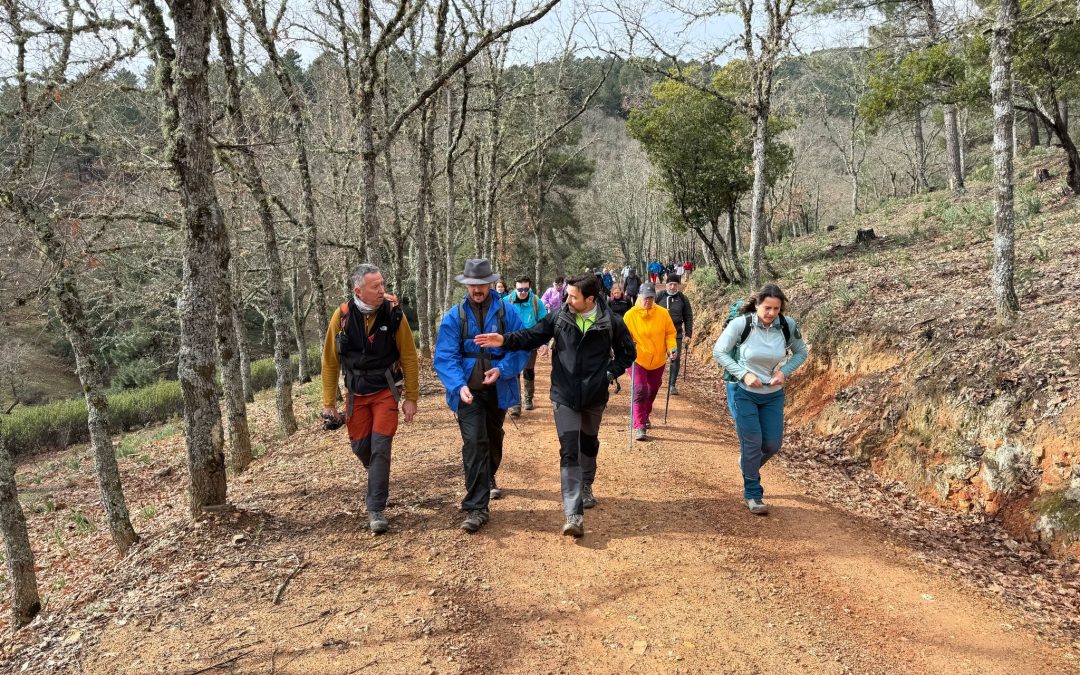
column 654, row 336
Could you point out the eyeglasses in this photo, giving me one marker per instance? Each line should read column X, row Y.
column 522, row 290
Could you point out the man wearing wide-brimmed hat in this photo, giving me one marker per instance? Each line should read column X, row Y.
column 481, row 384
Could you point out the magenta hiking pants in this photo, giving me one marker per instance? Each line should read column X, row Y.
column 646, row 385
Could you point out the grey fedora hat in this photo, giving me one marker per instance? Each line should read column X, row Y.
column 477, row 271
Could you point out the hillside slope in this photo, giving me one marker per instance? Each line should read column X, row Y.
column 910, row 374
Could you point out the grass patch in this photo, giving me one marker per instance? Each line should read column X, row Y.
column 83, row 525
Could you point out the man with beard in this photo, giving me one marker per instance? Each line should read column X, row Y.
column 592, row 348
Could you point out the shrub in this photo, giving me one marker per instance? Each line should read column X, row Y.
column 134, row 374
column 62, row 423
column 263, row 375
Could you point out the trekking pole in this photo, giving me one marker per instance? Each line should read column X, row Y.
column 631, row 407
column 684, row 359
column 667, row 399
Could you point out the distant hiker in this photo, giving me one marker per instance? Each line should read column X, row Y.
column 654, row 337
column 555, row 296
column 680, row 270
column 480, row 384
column 633, row 284
column 763, row 336
column 592, row 348
column 370, row 342
column 530, row 309
column 625, row 273
column 654, row 269
column 619, row 303
column 682, row 315
column 608, row 280
column 500, row 290
column 688, row 267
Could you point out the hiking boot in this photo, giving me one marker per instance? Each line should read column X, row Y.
column 494, row 492
column 587, row 499
column 639, row 435
column 377, row 522
column 757, row 507
column 515, row 411
column 673, row 390
column 574, row 527
column 530, row 389
column 474, row 521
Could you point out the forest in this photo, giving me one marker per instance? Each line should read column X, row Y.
column 186, row 186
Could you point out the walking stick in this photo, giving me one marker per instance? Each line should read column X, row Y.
column 631, row 407
column 667, row 399
column 684, row 359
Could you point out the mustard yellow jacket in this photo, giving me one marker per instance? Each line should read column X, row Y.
column 653, row 333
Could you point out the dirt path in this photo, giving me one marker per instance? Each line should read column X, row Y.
column 673, row 575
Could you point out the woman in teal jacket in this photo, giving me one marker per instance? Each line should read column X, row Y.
column 765, row 337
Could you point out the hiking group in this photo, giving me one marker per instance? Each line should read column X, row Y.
column 595, row 329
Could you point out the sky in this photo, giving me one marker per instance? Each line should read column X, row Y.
column 591, row 27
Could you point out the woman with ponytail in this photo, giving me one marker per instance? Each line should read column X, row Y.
column 762, row 348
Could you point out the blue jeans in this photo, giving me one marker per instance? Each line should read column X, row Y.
column 759, row 422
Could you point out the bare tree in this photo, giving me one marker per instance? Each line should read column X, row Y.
column 1001, row 82
column 948, row 110
column 25, row 602
column 27, row 185
column 182, row 81
column 251, row 175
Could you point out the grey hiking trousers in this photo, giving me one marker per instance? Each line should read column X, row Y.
column 579, row 444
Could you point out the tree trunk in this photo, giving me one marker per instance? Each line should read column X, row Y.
column 298, row 329
column 77, row 331
column 242, row 345
column 1005, row 299
column 186, row 126
column 952, row 150
column 713, row 255
column 236, row 423
column 252, row 177
column 97, row 407
column 538, row 244
column 948, row 110
column 22, row 581
column 757, row 210
column 1033, row 130
column 922, row 181
column 1063, row 113
column 423, row 200
column 293, row 98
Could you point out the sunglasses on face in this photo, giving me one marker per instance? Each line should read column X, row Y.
column 522, row 290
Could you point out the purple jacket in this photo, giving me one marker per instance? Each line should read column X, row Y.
column 553, row 298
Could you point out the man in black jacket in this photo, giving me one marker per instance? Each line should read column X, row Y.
column 632, row 286
column 587, row 334
column 682, row 315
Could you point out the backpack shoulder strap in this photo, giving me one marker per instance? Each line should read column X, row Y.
column 536, row 306
column 344, row 315
column 396, row 315
column 463, row 321
column 786, row 328
column 746, row 329
column 500, row 314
